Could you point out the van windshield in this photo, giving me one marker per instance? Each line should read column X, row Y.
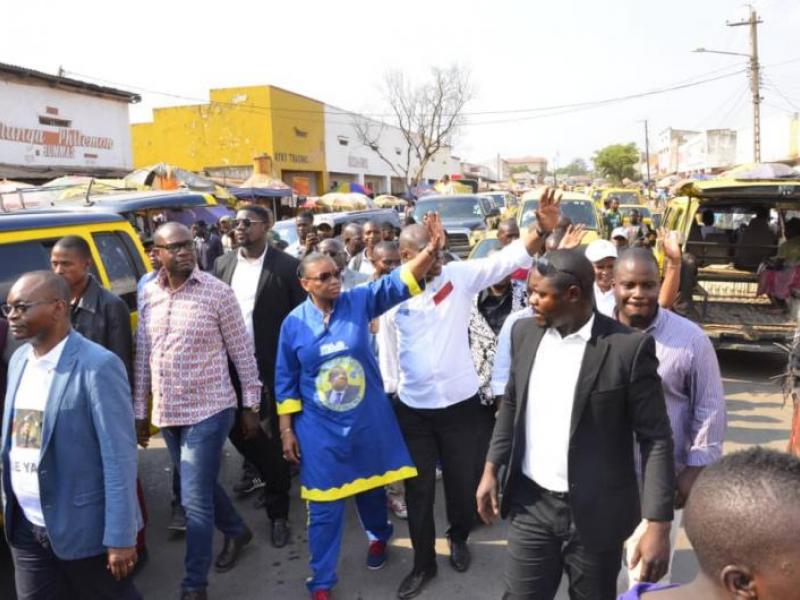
column 449, row 208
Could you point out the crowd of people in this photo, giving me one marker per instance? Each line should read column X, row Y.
column 547, row 383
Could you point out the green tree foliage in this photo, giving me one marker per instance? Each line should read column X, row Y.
column 578, row 166
column 616, row 161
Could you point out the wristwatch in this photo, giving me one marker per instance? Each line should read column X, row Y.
column 256, row 409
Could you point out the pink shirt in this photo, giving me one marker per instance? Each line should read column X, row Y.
column 183, row 342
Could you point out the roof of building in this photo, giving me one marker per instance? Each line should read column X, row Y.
column 74, row 85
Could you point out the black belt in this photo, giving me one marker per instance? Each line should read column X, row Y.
column 544, row 491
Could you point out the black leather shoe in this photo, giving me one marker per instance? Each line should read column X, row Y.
column 196, row 595
column 459, row 556
column 231, row 550
column 280, row 533
column 414, row 583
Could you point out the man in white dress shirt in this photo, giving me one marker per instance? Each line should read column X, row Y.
column 437, row 387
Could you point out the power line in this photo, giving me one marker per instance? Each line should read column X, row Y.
column 685, row 83
column 771, row 85
column 570, row 108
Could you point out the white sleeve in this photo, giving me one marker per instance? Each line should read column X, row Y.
column 478, row 274
column 502, row 357
column 386, row 338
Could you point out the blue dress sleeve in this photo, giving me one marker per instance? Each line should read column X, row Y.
column 388, row 291
column 287, row 371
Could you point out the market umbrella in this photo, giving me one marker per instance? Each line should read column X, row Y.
column 351, row 201
column 168, row 177
column 259, row 185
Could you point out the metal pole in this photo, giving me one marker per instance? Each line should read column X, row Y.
column 647, row 157
column 755, row 79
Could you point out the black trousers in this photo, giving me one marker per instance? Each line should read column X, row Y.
column 41, row 575
column 443, row 435
column 543, row 543
column 265, row 453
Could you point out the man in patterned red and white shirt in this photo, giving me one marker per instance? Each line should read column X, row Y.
column 189, row 324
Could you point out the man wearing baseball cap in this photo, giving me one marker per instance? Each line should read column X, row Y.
column 602, row 254
column 619, row 237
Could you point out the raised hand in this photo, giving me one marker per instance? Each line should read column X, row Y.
column 549, row 210
column 436, row 235
column 669, row 242
column 573, row 237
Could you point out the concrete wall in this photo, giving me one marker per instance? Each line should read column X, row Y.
column 45, row 127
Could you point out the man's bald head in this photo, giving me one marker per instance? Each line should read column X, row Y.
column 40, row 302
column 168, row 230
column 744, row 510
column 45, row 285
column 413, row 238
column 635, row 257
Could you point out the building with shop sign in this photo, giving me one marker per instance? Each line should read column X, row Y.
column 223, row 136
column 52, row 126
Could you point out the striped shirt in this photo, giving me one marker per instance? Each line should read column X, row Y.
column 693, row 391
column 183, row 342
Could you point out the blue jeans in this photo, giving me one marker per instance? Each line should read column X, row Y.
column 325, row 526
column 197, row 451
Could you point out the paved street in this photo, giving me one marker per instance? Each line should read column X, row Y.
column 755, row 413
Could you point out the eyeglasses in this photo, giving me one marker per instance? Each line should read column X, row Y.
column 177, row 246
column 391, row 263
column 245, row 223
column 22, row 307
column 545, row 268
column 323, row 277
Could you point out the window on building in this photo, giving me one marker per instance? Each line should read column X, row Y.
column 54, row 122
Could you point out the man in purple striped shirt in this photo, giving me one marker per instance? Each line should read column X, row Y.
column 189, row 325
column 689, row 374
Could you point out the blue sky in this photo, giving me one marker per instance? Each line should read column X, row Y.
column 522, row 54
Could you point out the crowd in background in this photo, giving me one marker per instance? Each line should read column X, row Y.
column 548, row 383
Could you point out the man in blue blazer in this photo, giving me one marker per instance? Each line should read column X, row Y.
column 68, row 450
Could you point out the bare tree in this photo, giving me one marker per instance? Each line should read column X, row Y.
column 428, row 115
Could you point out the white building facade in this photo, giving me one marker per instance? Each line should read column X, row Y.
column 349, row 160
column 50, row 126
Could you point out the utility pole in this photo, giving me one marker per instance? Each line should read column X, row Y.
column 647, row 156
column 755, row 79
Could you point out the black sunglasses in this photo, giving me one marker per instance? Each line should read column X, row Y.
column 22, row 307
column 176, row 247
column 544, row 267
column 323, row 277
column 245, row 223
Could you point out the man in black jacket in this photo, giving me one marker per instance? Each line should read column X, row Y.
column 96, row 313
column 581, row 386
column 265, row 282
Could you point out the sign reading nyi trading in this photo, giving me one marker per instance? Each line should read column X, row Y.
column 41, row 127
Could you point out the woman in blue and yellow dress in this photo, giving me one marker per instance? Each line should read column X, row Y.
column 335, row 419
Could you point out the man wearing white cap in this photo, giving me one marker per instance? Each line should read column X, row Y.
column 602, row 254
column 619, row 237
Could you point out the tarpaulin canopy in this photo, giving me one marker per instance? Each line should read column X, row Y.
column 259, row 185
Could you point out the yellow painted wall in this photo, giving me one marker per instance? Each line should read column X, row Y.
column 238, row 124
column 298, row 135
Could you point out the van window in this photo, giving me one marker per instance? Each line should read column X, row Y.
column 120, row 266
column 19, row 258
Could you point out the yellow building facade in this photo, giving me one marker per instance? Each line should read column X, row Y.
column 236, row 125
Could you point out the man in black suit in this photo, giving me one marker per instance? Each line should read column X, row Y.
column 265, row 282
column 581, row 385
